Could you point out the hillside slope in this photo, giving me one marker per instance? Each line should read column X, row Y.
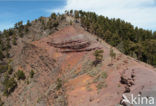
column 65, row 73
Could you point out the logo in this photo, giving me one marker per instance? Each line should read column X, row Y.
column 137, row 99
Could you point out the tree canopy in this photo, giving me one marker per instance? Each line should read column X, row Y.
column 133, row 41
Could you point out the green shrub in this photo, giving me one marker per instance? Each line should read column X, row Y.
column 98, row 57
column 101, row 85
column 20, row 75
column 53, row 16
column 112, row 54
column 28, row 23
column 32, row 74
column 59, row 84
column 104, row 75
column 1, row 55
column 10, row 69
column 71, row 22
column 9, row 85
column 14, row 40
column 3, row 68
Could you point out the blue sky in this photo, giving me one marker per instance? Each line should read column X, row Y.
column 14, row 11
column 141, row 13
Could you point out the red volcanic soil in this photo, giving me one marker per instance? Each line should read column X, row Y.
column 68, row 55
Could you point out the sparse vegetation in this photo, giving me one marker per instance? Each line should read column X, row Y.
column 112, row 54
column 100, row 80
column 101, row 85
column 39, row 99
column 53, row 16
column 10, row 69
column 9, row 85
column 20, row 75
column 93, row 72
column 1, row 55
column 1, row 102
column 58, row 84
column 7, row 53
column 76, row 14
column 3, row 68
column 14, row 41
column 28, row 23
column 71, row 22
column 32, row 74
column 21, row 35
column 71, row 12
column 88, row 87
column 98, row 57
column 27, row 81
column 103, row 75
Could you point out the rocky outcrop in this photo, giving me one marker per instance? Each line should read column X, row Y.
column 127, row 80
column 74, row 46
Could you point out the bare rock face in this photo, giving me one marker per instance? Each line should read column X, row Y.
column 74, row 44
column 127, row 79
column 138, row 80
column 64, row 74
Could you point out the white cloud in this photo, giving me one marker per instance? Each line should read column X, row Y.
column 6, row 26
column 140, row 13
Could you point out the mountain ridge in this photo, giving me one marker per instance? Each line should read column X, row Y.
column 60, row 62
column 76, row 73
